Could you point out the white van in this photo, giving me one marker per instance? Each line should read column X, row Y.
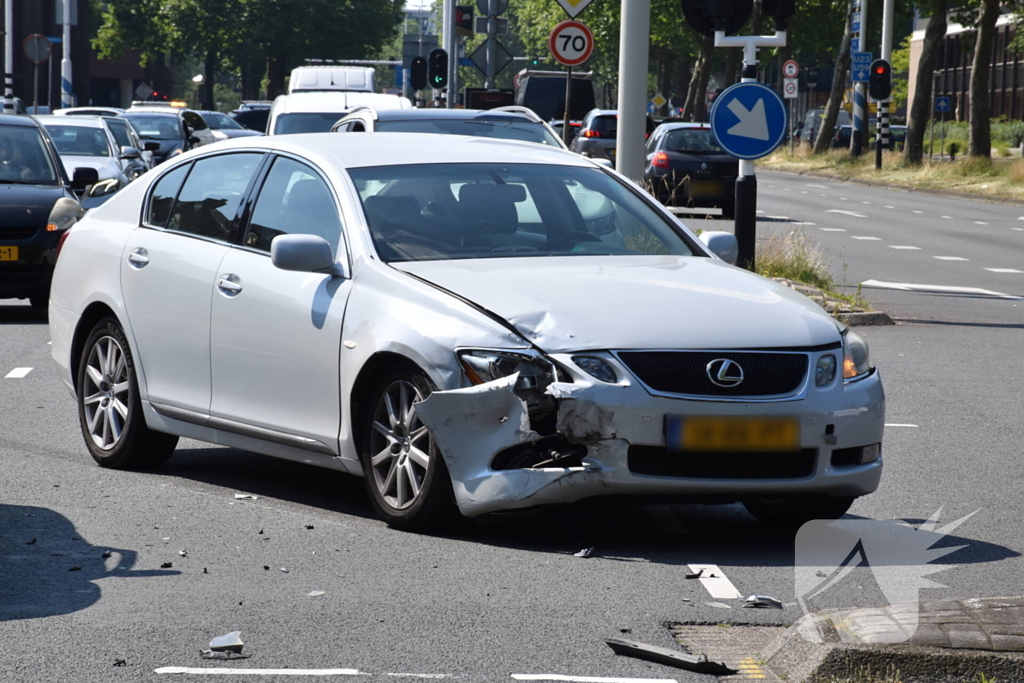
column 321, row 78
column 316, row 112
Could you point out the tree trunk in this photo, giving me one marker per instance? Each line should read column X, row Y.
column 275, row 77
column 980, row 141
column 733, row 55
column 699, row 82
column 252, row 76
column 209, row 75
column 679, row 81
column 921, row 107
column 823, row 139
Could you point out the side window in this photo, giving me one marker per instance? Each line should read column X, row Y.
column 294, row 200
column 194, row 120
column 164, row 192
column 357, row 127
column 208, row 202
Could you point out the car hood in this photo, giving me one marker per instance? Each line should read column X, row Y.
column 27, row 206
column 228, row 133
column 106, row 167
column 575, row 303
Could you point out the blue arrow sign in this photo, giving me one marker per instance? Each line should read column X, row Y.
column 942, row 104
column 855, row 22
column 652, row 108
column 860, row 67
column 748, row 120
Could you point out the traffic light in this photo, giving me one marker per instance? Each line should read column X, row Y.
column 880, row 80
column 418, row 73
column 438, row 69
column 782, row 10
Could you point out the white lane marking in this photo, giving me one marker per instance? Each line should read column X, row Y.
column 825, row 187
column 420, row 675
column 833, row 229
column 862, row 237
column 1021, row 218
column 951, row 258
column 715, row 581
column 947, row 217
column 1004, row 270
column 588, row 679
column 865, row 202
column 780, row 218
column 1019, row 229
column 17, row 373
column 847, row 213
column 822, row 195
column 889, row 207
column 759, row 211
column 665, row 519
column 804, row 192
column 980, row 223
column 904, row 246
column 803, row 223
column 256, row 672
column 916, row 211
column 908, row 287
column 843, row 199
column 894, row 424
column 49, row 343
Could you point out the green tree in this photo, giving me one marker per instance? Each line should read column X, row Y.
column 921, row 107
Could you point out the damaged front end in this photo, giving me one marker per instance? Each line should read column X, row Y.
column 524, row 434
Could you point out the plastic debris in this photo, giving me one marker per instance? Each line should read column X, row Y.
column 229, row 642
column 314, row 594
column 762, row 601
column 309, row 526
column 586, row 552
column 266, row 568
column 120, row 662
column 183, row 552
column 106, row 554
column 695, row 575
column 244, row 496
column 663, row 655
column 284, row 569
column 204, row 571
column 166, row 565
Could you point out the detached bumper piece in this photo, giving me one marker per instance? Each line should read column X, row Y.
column 663, row 655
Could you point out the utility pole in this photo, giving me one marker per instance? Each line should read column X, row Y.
column 882, row 136
column 492, row 43
column 634, row 45
column 8, row 56
column 451, row 44
column 67, row 98
column 858, row 135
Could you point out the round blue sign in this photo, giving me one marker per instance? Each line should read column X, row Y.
column 749, row 120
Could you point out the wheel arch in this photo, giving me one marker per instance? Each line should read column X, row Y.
column 94, row 312
column 379, row 362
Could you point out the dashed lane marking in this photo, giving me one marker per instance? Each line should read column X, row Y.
column 780, row 218
column 889, row 207
column 822, row 195
column 864, row 237
column 17, row 373
column 980, row 223
column 715, row 581
column 833, row 229
column 904, row 246
column 916, row 211
column 256, row 672
column 803, row 223
column 1019, row 229
column 865, row 202
column 951, row 258
column 804, row 192
column 940, row 289
column 843, row 199
column 1004, row 270
column 895, row 424
column 847, row 213
column 825, row 187
column 588, row 679
column 947, row 217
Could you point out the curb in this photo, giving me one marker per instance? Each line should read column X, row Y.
column 866, row 318
column 854, row 317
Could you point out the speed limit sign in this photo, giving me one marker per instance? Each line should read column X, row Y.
column 571, row 43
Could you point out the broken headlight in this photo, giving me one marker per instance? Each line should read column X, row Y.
column 485, row 365
column 856, row 362
column 598, row 368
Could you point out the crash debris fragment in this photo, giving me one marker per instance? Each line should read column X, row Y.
column 229, row 642
column 106, row 554
column 120, row 662
column 244, row 496
column 762, row 601
column 663, row 655
column 183, row 552
column 314, row 594
column 75, row 569
column 166, row 565
column 284, row 569
column 586, row 552
column 32, row 542
column 695, row 575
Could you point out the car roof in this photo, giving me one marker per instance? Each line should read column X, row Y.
column 150, row 112
column 77, row 121
column 335, row 101
column 685, row 124
column 18, row 120
column 446, row 114
column 398, row 149
column 78, row 111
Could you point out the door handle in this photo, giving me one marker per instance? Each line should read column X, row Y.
column 227, row 286
column 138, row 258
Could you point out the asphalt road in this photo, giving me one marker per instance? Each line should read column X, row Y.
column 507, row 595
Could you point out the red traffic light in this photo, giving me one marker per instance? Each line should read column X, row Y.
column 880, row 70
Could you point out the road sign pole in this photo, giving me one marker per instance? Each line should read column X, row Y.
column 634, row 40
column 67, row 98
column 566, row 135
column 888, row 11
column 942, row 135
column 9, row 56
column 860, row 93
column 492, row 43
column 791, row 102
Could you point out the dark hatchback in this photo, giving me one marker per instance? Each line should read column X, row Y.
column 37, row 207
column 686, row 167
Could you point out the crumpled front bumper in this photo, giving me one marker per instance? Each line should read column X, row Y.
column 473, row 425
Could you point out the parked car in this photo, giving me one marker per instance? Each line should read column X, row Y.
column 174, row 130
column 88, row 111
column 597, row 136
column 225, row 127
column 812, row 121
column 253, row 115
column 686, row 167
column 86, row 141
column 513, row 123
column 435, row 314
column 544, row 93
column 37, row 210
column 316, row 112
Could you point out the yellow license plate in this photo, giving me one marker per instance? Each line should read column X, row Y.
column 706, row 188
column 699, row 434
column 8, row 253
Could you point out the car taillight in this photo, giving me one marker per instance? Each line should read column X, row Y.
column 660, row 160
column 60, row 242
column 589, row 133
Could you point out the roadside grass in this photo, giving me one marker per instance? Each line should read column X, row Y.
column 998, row 177
column 794, row 256
column 891, row 675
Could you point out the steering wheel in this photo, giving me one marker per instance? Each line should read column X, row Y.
column 570, row 238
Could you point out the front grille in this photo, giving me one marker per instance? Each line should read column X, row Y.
column 11, row 234
column 660, row 462
column 685, row 372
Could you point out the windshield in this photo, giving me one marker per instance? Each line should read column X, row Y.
column 470, row 211
column 217, row 121
column 692, row 141
column 79, row 141
column 287, row 124
column 23, row 157
column 482, row 127
column 156, row 126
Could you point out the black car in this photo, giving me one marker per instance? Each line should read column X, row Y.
column 175, row 131
column 37, row 206
column 686, row 167
column 253, row 115
column 225, row 127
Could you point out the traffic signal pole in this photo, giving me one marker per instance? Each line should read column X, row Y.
column 9, row 57
column 882, row 138
column 858, row 134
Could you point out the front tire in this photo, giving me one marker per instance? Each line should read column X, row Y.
column 109, row 408
column 796, row 510
column 406, row 476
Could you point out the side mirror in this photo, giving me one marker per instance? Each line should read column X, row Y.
column 151, row 146
column 193, row 140
column 130, row 153
column 304, row 254
column 722, row 244
column 84, row 177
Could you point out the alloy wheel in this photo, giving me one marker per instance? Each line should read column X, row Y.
column 399, row 446
column 106, row 392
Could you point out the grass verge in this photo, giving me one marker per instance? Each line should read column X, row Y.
column 794, row 256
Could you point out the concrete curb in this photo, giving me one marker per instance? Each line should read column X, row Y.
column 852, row 316
column 865, row 318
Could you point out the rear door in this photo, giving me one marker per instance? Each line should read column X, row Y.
column 168, row 271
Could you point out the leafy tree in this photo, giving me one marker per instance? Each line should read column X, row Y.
column 900, row 73
column 842, row 64
column 980, row 138
column 921, row 107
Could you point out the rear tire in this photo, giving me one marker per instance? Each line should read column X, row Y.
column 406, row 476
column 109, row 408
column 41, row 301
column 797, row 510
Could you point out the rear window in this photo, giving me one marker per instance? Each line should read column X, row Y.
column 24, row 158
column 607, row 126
column 692, row 141
column 289, row 124
column 525, row 131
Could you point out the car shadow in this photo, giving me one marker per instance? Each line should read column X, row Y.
column 21, row 314
column 47, row 568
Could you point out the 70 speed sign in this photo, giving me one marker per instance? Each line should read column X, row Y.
column 571, row 43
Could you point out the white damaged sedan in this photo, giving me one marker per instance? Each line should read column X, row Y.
column 472, row 325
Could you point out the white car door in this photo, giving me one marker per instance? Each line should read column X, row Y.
column 276, row 334
column 169, row 269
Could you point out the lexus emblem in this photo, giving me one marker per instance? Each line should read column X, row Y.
column 703, row 167
column 725, row 373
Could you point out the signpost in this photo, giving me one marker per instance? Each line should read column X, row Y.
column 749, row 120
column 790, row 90
column 860, row 67
column 942, row 105
column 38, row 49
column 573, row 7
column 571, row 43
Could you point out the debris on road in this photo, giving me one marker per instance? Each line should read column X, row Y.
column 284, row 569
column 309, row 526
column 663, row 655
column 586, row 552
column 266, row 568
column 207, row 654
column 183, row 552
column 75, row 569
column 32, row 542
column 106, row 554
column 695, row 575
column 229, row 642
column 120, row 662
column 762, row 601
column 166, row 565
column 314, row 594
column 244, row 496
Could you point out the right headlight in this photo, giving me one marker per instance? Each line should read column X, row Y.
column 856, row 361
column 104, row 187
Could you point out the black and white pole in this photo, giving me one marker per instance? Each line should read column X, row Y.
column 746, row 183
column 9, row 57
column 858, row 134
column 882, row 139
